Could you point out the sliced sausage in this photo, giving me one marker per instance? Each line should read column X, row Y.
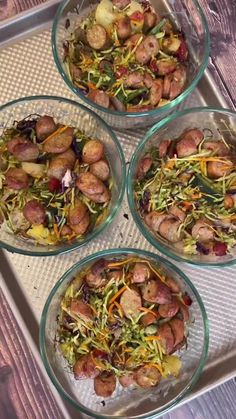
column 170, row 309
column 85, row 367
column 177, row 327
column 100, row 169
column 141, row 273
column 93, row 188
column 133, row 40
column 34, row 212
column 118, row 105
column 16, row 141
column 148, row 319
column 202, row 230
column 75, row 72
column 217, row 147
column 123, row 27
column 177, row 212
column 155, row 291
column 186, row 147
column 82, row 226
column 44, row 127
column 97, row 37
column 154, row 220
column 139, row 108
column 163, row 67
column 193, row 134
column 115, row 274
column 131, row 302
column 105, row 384
column 126, row 380
column 65, row 231
column 184, row 311
column 150, row 19
column 144, row 166
column 99, row 97
column 217, row 169
column 120, row 4
column 59, row 164
column 26, row 151
column 156, row 92
column 135, row 80
column 148, row 48
column 167, row 85
column 147, row 376
column 169, row 229
column 17, row 179
column 93, row 151
column 148, row 80
column 229, row 201
column 166, row 338
column 178, row 82
column 60, row 142
column 100, row 198
column 173, row 285
column 76, row 213
column 163, row 148
column 96, row 280
column 82, row 309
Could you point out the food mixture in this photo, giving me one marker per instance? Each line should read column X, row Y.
column 126, row 57
column 185, row 191
column 123, row 319
column 55, row 182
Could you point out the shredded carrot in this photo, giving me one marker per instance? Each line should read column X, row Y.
column 196, row 195
column 56, row 231
column 119, row 308
column 123, row 262
column 91, row 85
column 152, row 337
column 170, row 164
column 110, row 310
column 147, row 310
column 58, row 131
column 156, row 366
column 187, row 205
column 117, row 294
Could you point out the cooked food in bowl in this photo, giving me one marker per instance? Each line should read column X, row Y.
column 126, row 57
column 122, row 321
column 124, row 334
column 185, row 191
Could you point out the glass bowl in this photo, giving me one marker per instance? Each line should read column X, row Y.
column 125, row 403
column 188, row 17
column 67, row 112
column 215, row 120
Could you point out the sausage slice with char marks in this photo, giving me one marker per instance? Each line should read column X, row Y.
column 100, row 169
column 60, row 142
column 166, row 338
column 155, row 291
column 147, row 376
column 97, row 37
column 141, row 273
column 170, row 309
column 44, row 127
column 105, row 384
column 169, row 229
column 93, row 151
column 81, row 309
column 177, row 327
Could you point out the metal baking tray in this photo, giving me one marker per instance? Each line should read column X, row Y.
column 27, row 68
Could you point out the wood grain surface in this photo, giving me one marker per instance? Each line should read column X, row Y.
column 23, row 391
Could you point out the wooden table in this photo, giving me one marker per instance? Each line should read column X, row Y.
column 24, row 392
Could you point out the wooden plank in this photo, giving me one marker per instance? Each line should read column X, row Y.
column 24, row 394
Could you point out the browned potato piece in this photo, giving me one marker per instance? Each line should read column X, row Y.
column 59, row 164
column 171, row 45
column 99, row 97
column 105, row 384
column 202, row 230
column 59, row 142
column 163, row 147
column 155, row 291
column 163, row 67
column 144, row 166
column 17, row 179
column 44, row 127
column 82, row 309
column 97, row 37
column 100, row 169
column 148, row 48
column 217, row 169
column 34, row 212
column 130, row 303
column 170, row 309
column 154, row 220
column 147, row 376
column 126, row 380
column 150, row 20
column 156, row 92
column 169, row 229
column 123, row 27
column 26, row 151
column 93, row 151
column 177, row 327
column 166, row 337
column 141, row 273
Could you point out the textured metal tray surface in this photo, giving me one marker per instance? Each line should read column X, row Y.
column 27, row 68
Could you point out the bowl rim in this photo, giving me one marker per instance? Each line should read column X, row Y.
column 132, row 167
column 122, row 182
column 153, row 112
column 116, row 252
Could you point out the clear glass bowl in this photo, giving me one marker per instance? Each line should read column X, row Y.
column 67, row 112
column 188, row 17
column 124, row 403
column 218, row 121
